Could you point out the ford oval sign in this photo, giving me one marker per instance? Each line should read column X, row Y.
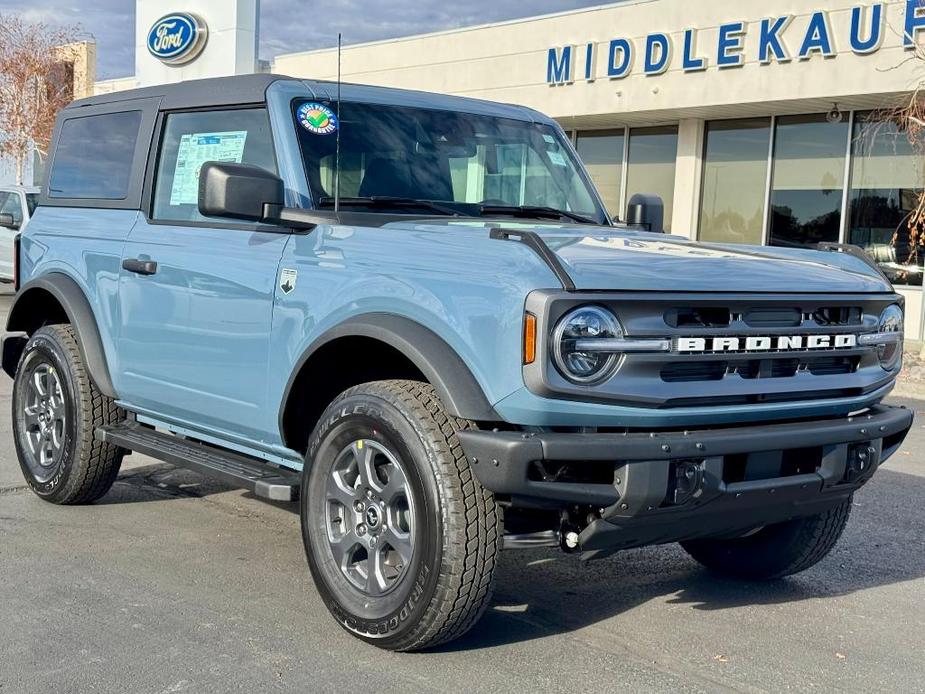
column 177, row 38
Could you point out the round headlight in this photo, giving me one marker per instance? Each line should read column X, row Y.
column 892, row 319
column 584, row 324
column 891, row 322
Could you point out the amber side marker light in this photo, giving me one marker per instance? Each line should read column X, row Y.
column 529, row 338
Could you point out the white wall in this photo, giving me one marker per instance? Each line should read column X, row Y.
column 507, row 62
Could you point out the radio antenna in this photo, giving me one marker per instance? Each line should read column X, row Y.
column 339, row 126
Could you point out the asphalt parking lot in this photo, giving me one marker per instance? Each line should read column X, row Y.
column 174, row 583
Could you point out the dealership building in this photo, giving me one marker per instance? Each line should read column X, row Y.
column 760, row 123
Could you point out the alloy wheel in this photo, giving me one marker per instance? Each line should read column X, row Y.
column 369, row 517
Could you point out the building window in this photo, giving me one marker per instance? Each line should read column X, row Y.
column 602, row 154
column 808, row 181
column 651, row 162
column 887, row 179
column 735, row 181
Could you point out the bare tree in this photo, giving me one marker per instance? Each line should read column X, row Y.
column 908, row 119
column 36, row 81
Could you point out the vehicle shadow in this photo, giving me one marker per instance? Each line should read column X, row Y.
column 161, row 481
column 542, row 593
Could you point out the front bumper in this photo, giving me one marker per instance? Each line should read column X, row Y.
column 747, row 476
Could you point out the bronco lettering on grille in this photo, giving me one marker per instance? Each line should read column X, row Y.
column 780, row 343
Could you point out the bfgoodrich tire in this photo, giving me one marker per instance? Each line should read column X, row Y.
column 400, row 536
column 776, row 550
column 56, row 410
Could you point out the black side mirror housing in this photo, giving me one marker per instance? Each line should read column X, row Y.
column 238, row 191
column 6, row 220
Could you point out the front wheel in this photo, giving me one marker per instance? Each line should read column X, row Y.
column 400, row 536
column 774, row 551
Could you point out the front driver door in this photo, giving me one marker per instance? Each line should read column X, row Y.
column 197, row 294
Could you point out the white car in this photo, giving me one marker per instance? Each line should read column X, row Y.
column 16, row 206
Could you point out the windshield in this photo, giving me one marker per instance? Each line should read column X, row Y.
column 32, row 201
column 470, row 164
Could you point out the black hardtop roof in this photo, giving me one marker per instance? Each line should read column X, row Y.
column 215, row 91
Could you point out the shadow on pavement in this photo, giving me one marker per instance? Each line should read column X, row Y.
column 542, row 593
column 160, row 482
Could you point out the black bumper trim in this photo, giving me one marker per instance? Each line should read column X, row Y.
column 631, row 508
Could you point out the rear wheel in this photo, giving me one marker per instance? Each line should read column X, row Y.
column 401, row 538
column 776, row 550
column 56, row 410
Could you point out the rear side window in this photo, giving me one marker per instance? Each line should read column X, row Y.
column 241, row 136
column 94, row 156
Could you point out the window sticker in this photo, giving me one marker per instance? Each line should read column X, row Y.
column 557, row 158
column 195, row 150
column 550, row 139
column 317, row 118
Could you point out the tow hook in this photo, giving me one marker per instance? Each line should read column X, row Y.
column 566, row 539
column 569, row 541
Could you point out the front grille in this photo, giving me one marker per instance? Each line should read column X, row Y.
column 833, row 366
column 691, row 372
column 694, row 371
column 719, row 374
column 773, row 318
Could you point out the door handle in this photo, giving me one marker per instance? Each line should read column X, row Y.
column 139, row 266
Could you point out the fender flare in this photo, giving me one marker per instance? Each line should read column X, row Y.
column 80, row 314
column 441, row 365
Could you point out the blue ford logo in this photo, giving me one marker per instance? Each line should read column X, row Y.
column 177, row 38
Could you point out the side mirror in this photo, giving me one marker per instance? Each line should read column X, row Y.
column 646, row 211
column 6, row 220
column 238, row 191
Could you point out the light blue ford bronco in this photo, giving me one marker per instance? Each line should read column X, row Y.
column 410, row 314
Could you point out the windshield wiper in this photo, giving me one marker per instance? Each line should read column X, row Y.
column 534, row 211
column 384, row 201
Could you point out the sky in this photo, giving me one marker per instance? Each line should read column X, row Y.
column 286, row 25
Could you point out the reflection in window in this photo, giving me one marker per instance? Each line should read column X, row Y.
column 602, row 154
column 650, row 169
column 241, row 136
column 886, row 180
column 735, row 180
column 808, row 182
column 94, row 156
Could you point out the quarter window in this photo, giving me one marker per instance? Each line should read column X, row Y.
column 94, row 157
column 190, row 140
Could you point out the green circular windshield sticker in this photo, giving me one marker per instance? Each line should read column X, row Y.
column 317, row 118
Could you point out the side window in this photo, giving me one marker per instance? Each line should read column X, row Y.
column 9, row 204
column 190, row 140
column 94, row 156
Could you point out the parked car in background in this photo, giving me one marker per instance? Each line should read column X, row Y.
column 17, row 203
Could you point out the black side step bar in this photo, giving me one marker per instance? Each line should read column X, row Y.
column 253, row 474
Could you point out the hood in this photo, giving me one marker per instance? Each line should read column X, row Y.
column 603, row 258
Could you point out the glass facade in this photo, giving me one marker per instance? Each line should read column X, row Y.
column 602, row 153
column 620, row 170
column 650, row 166
column 887, row 179
column 735, row 180
column 786, row 181
column 808, row 181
